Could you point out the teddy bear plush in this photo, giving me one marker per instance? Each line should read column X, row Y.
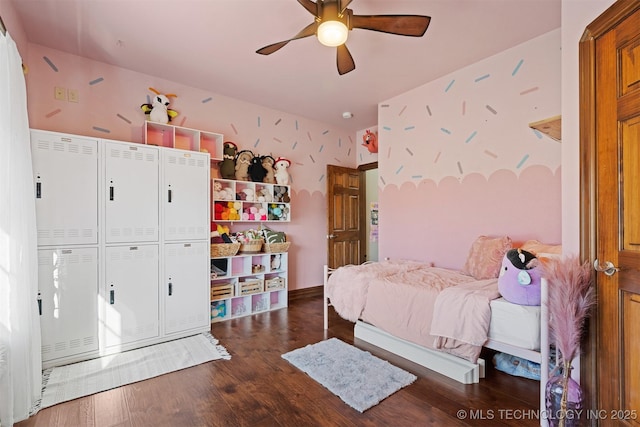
column 228, row 164
column 243, row 160
column 268, row 163
column 520, row 277
column 281, row 174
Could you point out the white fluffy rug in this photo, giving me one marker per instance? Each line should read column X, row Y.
column 360, row 379
column 68, row 382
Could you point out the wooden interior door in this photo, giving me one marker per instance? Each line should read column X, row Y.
column 345, row 228
column 610, row 133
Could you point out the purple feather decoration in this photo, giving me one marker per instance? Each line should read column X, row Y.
column 571, row 297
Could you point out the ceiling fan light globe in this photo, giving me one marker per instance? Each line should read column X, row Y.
column 332, row 33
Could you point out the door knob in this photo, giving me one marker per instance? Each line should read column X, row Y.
column 330, row 236
column 608, row 268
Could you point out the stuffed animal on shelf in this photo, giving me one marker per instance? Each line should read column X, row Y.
column 520, row 277
column 281, row 174
column 268, row 163
column 275, row 262
column 257, row 172
column 159, row 110
column 228, row 164
column 370, row 140
column 243, row 160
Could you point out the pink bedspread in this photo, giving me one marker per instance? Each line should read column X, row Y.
column 400, row 298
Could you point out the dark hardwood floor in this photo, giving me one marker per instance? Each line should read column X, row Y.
column 259, row 388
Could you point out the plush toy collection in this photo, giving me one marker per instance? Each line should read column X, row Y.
column 244, row 165
column 159, row 111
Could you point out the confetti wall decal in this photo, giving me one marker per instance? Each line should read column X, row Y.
column 489, row 153
column 309, row 136
column 399, row 169
column 460, row 168
column 258, row 121
column 479, row 79
column 447, row 131
column 437, row 157
column 533, row 89
column 278, row 122
column 449, row 86
column 321, row 148
column 312, row 159
column 51, row 64
column 386, row 128
column 402, row 110
column 468, row 140
column 523, row 161
column 278, row 140
column 515, row 70
column 409, row 151
column 255, row 144
column 429, row 111
column 234, row 128
column 96, row 81
column 325, row 132
column 295, row 144
column 488, row 107
column 410, row 127
column 53, row 113
column 99, row 129
column 209, row 99
column 121, row 117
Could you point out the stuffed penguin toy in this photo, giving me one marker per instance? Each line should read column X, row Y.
column 519, row 279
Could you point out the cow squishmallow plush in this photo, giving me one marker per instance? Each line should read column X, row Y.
column 519, row 278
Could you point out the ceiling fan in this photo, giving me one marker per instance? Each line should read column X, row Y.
column 333, row 21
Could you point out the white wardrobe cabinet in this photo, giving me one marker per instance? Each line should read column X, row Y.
column 130, row 294
column 184, row 273
column 185, row 195
column 123, row 240
column 131, row 192
column 66, row 178
column 67, row 301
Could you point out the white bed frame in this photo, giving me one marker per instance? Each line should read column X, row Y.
column 449, row 365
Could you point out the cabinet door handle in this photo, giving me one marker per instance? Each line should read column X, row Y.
column 38, row 190
column 170, row 289
column 112, row 297
column 39, row 304
column 169, row 196
column 111, row 193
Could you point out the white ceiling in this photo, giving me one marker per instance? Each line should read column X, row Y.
column 211, row 44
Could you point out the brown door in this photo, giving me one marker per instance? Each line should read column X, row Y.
column 612, row 121
column 345, row 229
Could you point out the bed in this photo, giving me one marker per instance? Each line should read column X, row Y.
column 442, row 318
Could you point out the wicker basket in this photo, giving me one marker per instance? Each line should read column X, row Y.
column 251, row 246
column 224, row 249
column 276, row 247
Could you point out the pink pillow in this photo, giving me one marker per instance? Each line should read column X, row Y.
column 485, row 257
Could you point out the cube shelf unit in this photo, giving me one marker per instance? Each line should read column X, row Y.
column 242, row 285
column 166, row 135
column 269, row 203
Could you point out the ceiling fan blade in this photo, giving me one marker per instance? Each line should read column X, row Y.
column 344, row 60
column 344, row 4
column 311, row 6
column 307, row 31
column 403, row 25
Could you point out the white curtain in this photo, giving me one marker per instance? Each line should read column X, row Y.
column 20, row 360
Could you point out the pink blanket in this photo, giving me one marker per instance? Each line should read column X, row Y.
column 461, row 318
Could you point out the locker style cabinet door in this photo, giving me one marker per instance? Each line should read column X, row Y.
column 65, row 171
column 130, row 294
column 131, row 192
column 68, row 301
column 185, row 195
column 186, row 287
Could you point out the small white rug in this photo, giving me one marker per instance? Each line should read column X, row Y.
column 357, row 377
column 64, row 383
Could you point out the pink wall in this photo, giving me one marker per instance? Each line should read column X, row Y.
column 457, row 158
column 109, row 107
